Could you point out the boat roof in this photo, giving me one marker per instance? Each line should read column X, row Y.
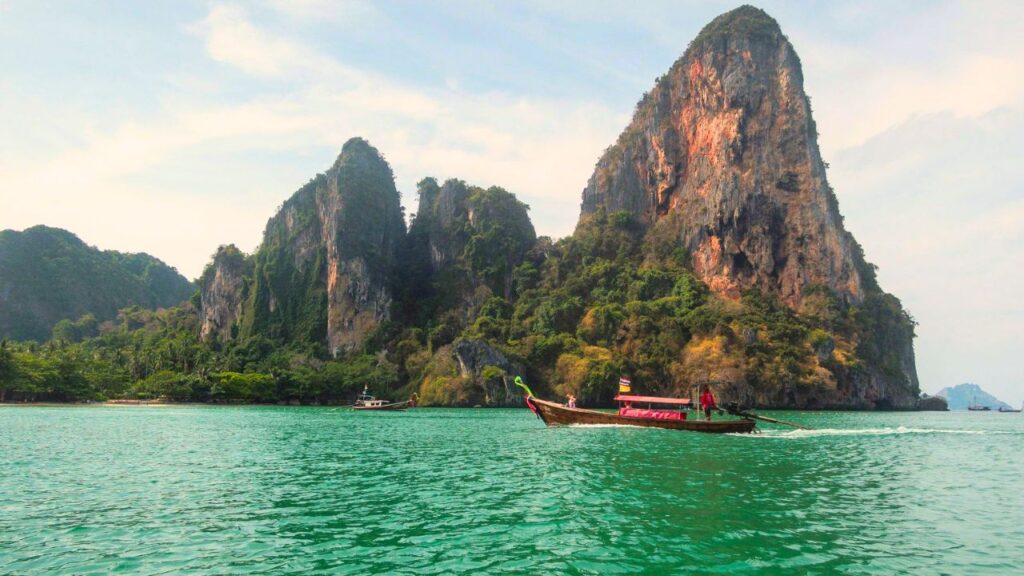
column 652, row 399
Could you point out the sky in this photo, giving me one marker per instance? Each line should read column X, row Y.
column 173, row 127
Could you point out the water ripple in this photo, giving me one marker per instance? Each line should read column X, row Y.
column 300, row 490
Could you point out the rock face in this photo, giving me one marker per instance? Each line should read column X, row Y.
column 458, row 222
column 933, row 404
column 321, row 272
column 723, row 150
column 474, row 358
column 463, row 248
column 721, row 160
column 223, row 288
column 444, row 210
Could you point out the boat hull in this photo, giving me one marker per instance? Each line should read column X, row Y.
column 557, row 415
column 394, row 407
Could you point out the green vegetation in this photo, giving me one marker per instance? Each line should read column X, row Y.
column 48, row 275
column 148, row 355
column 616, row 298
column 288, row 297
column 612, row 299
column 743, row 21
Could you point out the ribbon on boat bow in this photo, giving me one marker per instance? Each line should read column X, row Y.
column 529, row 394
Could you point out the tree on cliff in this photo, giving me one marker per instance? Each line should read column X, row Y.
column 709, row 247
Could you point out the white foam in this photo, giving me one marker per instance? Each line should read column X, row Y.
column 792, row 434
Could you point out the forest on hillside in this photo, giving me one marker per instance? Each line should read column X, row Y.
column 610, row 300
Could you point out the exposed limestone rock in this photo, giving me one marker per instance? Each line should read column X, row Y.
column 474, row 357
column 721, row 158
column 478, row 234
column 321, row 272
column 933, row 404
column 444, row 207
column 222, row 292
column 724, row 151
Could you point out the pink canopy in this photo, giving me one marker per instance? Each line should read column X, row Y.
column 652, row 399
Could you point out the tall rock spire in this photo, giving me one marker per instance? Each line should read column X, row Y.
column 724, row 151
column 321, row 273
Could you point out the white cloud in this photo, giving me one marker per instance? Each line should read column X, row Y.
column 541, row 149
column 920, row 112
column 355, row 13
column 964, row 58
column 231, row 38
column 938, row 204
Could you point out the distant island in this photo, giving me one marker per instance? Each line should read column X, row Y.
column 709, row 248
column 961, row 396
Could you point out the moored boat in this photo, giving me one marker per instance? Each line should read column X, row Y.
column 975, row 407
column 367, row 402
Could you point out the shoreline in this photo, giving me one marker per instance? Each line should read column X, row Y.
column 164, row 403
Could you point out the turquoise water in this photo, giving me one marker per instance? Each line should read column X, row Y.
column 154, row 490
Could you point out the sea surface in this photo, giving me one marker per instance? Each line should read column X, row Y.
column 266, row 490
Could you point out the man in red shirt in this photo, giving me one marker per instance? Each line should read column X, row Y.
column 707, row 402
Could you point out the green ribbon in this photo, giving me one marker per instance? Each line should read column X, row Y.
column 519, row 382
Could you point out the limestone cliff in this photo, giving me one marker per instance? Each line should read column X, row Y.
column 487, row 231
column 223, row 288
column 723, row 151
column 443, row 213
column 459, row 266
column 462, row 239
column 489, row 369
column 321, row 272
column 721, row 160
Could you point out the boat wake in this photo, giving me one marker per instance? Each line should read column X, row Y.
column 602, row 426
column 796, row 434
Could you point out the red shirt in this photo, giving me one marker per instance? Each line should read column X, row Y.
column 707, row 399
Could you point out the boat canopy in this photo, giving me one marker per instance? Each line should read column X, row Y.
column 652, row 399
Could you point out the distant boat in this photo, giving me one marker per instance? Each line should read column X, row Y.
column 367, row 402
column 977, row 407
column 1006, row 409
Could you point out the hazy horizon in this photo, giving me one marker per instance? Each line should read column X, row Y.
column 175, row 127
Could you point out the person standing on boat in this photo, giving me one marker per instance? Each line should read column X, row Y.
column 707, row 402
column 572, row 401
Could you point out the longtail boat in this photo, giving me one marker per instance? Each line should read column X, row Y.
column 554, row 414
column 366, row 402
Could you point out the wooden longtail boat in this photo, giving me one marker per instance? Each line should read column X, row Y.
column 554, row 414
column 366, row 402
column 381, row 405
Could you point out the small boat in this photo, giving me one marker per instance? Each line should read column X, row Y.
column 975, row 407
column 1006, row 409
column 366, row 402
column 554, row 414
